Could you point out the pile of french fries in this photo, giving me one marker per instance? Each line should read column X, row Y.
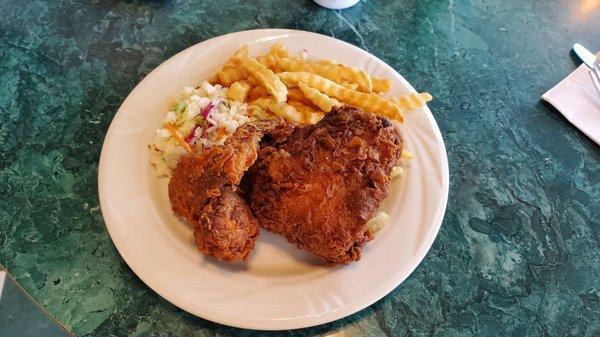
column 302, row 91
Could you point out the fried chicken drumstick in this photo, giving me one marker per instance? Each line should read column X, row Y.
column 319, row 187
column 203, row 189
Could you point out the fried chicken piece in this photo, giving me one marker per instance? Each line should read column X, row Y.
column 227, row 228
column 202, row 189
column 274, row 136
column 200, row 176
column 320, row 186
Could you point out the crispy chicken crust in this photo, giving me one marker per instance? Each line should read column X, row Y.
column 203, row 190
column 321, row 185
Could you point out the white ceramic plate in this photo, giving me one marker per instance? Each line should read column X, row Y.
column 280, row 287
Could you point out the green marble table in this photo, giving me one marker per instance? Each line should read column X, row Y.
column 519, row 250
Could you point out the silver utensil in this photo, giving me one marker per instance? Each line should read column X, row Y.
column 591, row 61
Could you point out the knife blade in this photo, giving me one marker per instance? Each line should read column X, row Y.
column 586, row 56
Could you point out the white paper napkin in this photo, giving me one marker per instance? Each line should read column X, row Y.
column 2, row 277
column 577, row 99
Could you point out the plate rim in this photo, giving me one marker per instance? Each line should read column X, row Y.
column 297, row 322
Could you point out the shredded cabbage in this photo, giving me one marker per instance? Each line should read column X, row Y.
column 197, row 115
column 380, row 220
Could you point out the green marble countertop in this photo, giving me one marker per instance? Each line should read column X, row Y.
column 519, row 250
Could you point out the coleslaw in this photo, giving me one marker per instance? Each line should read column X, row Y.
column 200, row 118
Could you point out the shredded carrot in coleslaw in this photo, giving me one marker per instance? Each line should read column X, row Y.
column 176, row 135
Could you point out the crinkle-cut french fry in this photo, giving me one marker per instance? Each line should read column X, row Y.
column 258, row 112
column 300, row 106
column 313, row 117
column 336, row 72
column 287, row 111
column 318, row 98
column 231, row 70
column 262, row 106
column 351, row 86
column 269, row 61
column 266, row 78
column 367, row 101
column 237, row 58
column 410, row 102
column 257, row 92
column 232, row 74
column 279, row 50
column 296, row 94
column 311, row 114
column 238, row 91
column 381, row 84
column 281, row 109
column 263, row 102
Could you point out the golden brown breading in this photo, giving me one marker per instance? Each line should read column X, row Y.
column 227, row 228
column 319, row 187
column 203, row 190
